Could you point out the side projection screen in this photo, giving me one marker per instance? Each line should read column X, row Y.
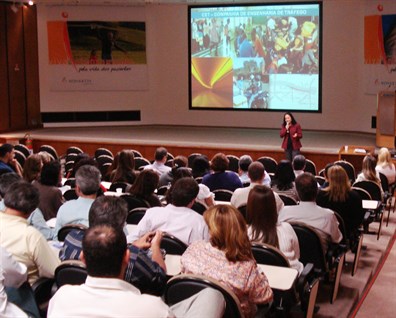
column 255, row 57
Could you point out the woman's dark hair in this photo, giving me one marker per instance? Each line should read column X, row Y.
column 178, row 173
column 145, row 184
column 262, row 215
column 50, row 174
column 292, row 118
column 125, row 166
column 82, row 159
column 284, row 175
column 200, row 166
column 219, row 162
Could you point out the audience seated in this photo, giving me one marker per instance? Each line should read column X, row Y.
column 51, row 197
column 167, row 178
column 125, row 170
column 262, row 218
column 177, row 218
column 228, row 258
column 82, row 159
column 220, row 178
column 244, row 163
column 36, row 218
column 76, row 211
column 386, row 166
column 283, row 181
column 200, row 166
column 256, row 174
column 144, row 186
column 27, row 245
column 160, row 158
column 8, row 162
column 298, row 165
column 106, row 294
column 32, row 168
column 323, row 220
column 369, row 172
column 339, row 197
column 147, row 273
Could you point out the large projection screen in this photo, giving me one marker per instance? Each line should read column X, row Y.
column 255, row 57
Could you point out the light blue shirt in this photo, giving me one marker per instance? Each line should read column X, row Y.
column 73, row 212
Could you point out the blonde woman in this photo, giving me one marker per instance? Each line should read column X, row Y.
column 385, row 165
column 369, row 173
column 228, row 258
column 339, row 197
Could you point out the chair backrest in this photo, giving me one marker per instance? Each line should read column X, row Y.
column 135, row 202
column 70, row 194
column 199, row 179
column 104, row 171
column 103, row 151
column 310, row 166
column 162, row 190
column 321, row 172
column 287, row 200
column 172, row 245
column 371, row 187
column 141, row 162
column 242, row 209
column 70, row 272
column 118, row 185
column 181, row 287
column 64, row 230
column 135, row 215
column 342, row 228
column 321, row 180
column 311, row 250
column 198, row 207
column 102, row 159
column 234, row 163
column 364, row 195
column 51, row 150
column 191, row 158
column 349, row 168
column 384, row 182
column 22, row 148
column 269, row 163
column 20, row 157
column 136, row 153
column 71, row 182
column 269, row 255
column 73, row 149
column 222, row 195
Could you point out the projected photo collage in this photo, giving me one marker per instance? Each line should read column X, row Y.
column 255, row 57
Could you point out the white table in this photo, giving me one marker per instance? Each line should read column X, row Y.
column 370, row 204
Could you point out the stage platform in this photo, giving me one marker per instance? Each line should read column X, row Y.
column 320, row 147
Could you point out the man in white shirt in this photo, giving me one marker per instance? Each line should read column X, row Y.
column 256, row 175
column 323, row 220
column 88, row 180
column 177, row 218
column 106, row 294
column 160, row 157
column 244, row 162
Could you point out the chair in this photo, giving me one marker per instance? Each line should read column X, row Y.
column 287, row 200
column 135, row 215
column 170, row 156
column 118, row 185
column 71, row 182
column 70, row 272
column 310, row 166
column 73, row 150
column 64, row 230
column 191, row 158
column 320, row 180
column 234, row 163
column 140, row 162
column 104, row 171
column 388, row 193
column 199, row 179
column 20, row 157
column 198, row 207
column 172, row 245
column 311, row 251
column 102, row 159
column 136, row 153
column 222, row 195
column 49, row 149
column 70, row 195
column 245, row 184
column 349, row 168
column 269, row 163
column 182, row 286
column 321, row 172
column 242, row 209
column 269, row 255
column 169, row 163
column 135, row 202
column 103, row 151
column 71, row 157
column 162, row 190
column 42, row 292
column 22, row 148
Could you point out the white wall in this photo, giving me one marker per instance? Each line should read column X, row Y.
column 345, row 106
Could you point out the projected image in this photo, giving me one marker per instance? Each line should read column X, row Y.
column 272, row 53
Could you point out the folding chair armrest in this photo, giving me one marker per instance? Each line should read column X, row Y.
column 305, row 277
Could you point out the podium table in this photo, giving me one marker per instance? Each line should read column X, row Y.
column 355, row 155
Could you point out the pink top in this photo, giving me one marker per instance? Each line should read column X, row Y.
column 243, row 278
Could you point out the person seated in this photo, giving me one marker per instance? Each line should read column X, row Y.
column 283, row 181
column 369, row 173
column 339, row 197
column 125, row 171
column 76, row 211
column 177, row 218
column 106, row 294
column 298, row 163
column 228, row 258
column 51, row 197
column 32, row 168
column 262, row 219
column 147, row 273
column 8, row 162
column 200, row 166
column 144, row 187
column 321, row 219
column 167, row 178
column 160, row 158
column 256, row 174
column 220, row 178
column 36, row 218
column 386, row 166
column 243, row 167
column 26, row 244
